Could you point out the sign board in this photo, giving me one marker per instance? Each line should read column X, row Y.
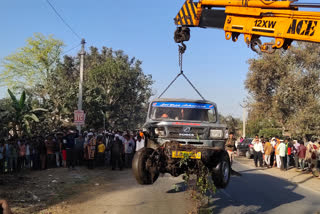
column 79, row 117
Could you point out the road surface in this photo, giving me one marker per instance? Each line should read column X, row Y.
column 257, row 192
column 116, row 192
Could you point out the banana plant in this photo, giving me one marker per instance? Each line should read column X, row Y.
column 24, row 114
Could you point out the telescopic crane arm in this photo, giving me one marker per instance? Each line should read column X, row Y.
column 280, row 20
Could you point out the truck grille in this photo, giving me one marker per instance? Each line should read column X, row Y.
column 187, row 132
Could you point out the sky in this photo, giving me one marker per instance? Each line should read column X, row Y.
column 143, row 29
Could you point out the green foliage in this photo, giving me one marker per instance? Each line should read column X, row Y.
column 31, row 64
column 6, row 115
column 22, row 114
column 186, row 158
column 233, row 124
column 115, row 88
column 285, row 87
column 115, row 85
column 270, row 132
column 255, row 125
column 204, row 184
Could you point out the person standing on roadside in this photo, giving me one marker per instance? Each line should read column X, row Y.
column 128, row 149
column 262, row 140
column 302, row 154
column 312, row 155
column 56, row 150
column 276, row 152
column 318, row 158
column 28, row 154
column 14, row 155
column 295, row 148
column 1, row 157
column 79, row 145
column 43, row 153
column 22, row 155
column 35, row 154
column 258, row 151
column 230, row 147
column 62, row 145
column 50, row 145
column 70, row 141
column 91, row 149
column 268, row 149
column 139, row 143
column 7, row 155
column 289, row 149
column 273, row 143
column 117, row 150
column 282, row 153
column 101, row 151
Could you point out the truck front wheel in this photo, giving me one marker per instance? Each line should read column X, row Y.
column 140, row 168
column 221, row 174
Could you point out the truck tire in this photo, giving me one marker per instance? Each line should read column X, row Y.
column 221, row 174
column 142, row 175
column 248, row 155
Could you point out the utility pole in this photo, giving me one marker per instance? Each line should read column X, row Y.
column 83, row 42
column 244, row 113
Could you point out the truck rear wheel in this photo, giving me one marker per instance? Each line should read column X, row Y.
column 221, row 174
column 139, row 167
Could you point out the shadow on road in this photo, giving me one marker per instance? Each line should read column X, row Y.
column 178, row 187
column 254, row 193
column 305, row 180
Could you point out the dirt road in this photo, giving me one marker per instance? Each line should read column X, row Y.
column 96, row 191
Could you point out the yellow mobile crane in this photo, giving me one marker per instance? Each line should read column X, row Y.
column 280, row 20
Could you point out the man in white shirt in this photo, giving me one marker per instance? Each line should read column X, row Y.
column 139, row 143
column 282, row 153
column 257, row 151
column 273, row 142
column 128, row 150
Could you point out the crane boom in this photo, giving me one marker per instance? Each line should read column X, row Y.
column 280, row 20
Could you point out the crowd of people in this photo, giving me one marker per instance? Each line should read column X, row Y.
column 287, row 153
column 68, row 149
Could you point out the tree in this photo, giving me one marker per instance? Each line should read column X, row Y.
column 283, row 85
column 23, row 114
column 270, row 132
column 6, row 115
column 116, row 86
column 62, row 90
column 233, row 124
column 32, row 64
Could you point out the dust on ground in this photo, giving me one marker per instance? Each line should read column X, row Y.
column 81, row 190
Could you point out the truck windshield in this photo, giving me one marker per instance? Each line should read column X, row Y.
column 183, row 111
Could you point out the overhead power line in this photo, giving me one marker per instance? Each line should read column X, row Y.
column 62, row 19
column 71, row 49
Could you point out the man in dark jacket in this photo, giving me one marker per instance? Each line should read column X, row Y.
column 117, row 149
column 230, row 146
column 69, row 144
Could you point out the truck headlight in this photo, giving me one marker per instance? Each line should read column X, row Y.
column 160, row 132
column 214, row 133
